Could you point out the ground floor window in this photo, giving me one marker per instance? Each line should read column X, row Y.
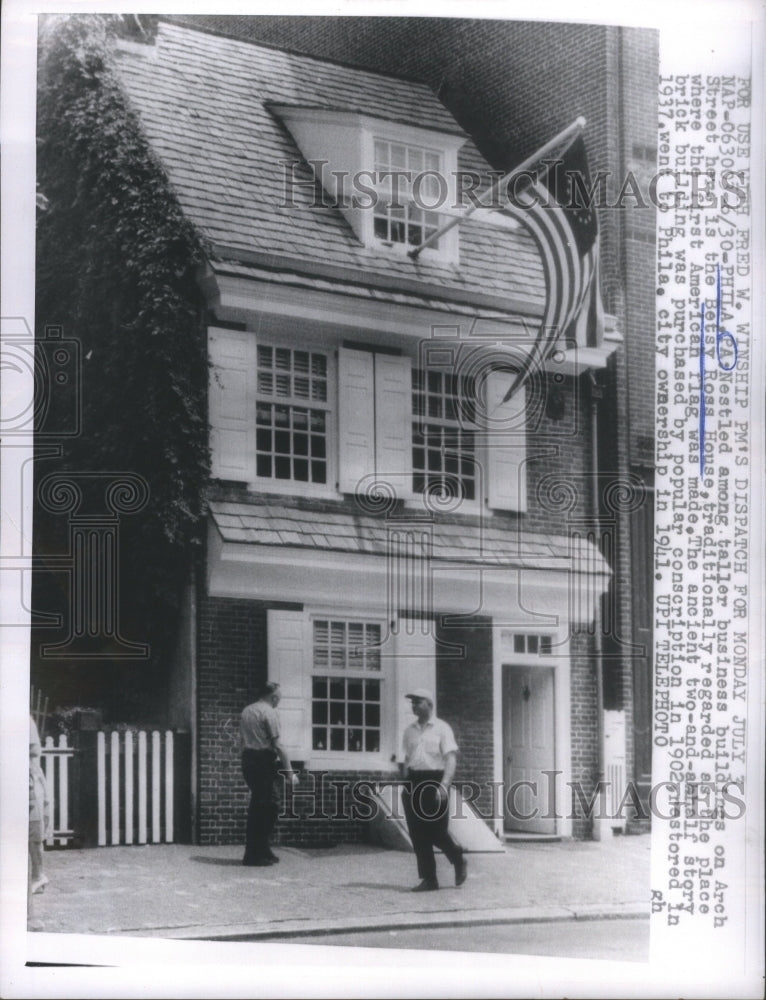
column 345, row 699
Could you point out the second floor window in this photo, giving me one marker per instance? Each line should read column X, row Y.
column 443, row 443
column 309, row 420
column 397, row 218
column 291, row 415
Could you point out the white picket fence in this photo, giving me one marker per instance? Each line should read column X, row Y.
column 134, row 787
column 143, row 786
column 56, row 759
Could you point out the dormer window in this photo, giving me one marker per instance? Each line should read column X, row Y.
column 410, row 184
column 395, row 183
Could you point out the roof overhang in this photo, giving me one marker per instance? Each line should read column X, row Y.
column 370, row 279
column 240, row 294
column 322, row 115
column 530, row 590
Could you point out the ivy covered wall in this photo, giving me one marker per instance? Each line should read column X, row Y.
column 117, row 267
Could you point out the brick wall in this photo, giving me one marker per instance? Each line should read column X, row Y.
column 327, row 808
column 639, row 102
column 584, row 726
column 464, row 698
column 322, row 811
column 559, row 455
column 231, row 664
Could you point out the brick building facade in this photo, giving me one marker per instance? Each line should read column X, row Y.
column 381, row 515
column 512, row 84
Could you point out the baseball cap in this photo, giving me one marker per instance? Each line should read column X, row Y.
column 421, row 693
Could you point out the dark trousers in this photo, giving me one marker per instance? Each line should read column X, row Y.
column 259, row 768
column 427, row 817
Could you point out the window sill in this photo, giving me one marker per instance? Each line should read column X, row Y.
column 471, row 507
column 288, row 487
column 335, row 761
column 435, row 256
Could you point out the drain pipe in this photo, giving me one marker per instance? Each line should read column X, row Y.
column 193, row 696
column 596, row 393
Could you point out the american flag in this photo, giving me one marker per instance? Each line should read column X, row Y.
column 564, row 226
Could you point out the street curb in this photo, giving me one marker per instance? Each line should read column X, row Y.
column 399, row 922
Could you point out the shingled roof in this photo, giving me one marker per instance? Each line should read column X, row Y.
column 203, row 104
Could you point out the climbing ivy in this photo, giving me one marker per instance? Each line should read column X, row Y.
column 117, row 269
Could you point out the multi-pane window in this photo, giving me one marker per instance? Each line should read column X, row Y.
column 397, row 219
column 538, row 645
column 291, row 415
column 443, row 443
column 346, row 686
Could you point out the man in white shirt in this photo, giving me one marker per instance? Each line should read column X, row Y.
column 430, row 756
column 262, row 752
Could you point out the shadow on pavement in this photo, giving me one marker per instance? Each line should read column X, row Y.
column 200, row 859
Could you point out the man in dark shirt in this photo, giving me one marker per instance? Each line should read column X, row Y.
column 262, row 752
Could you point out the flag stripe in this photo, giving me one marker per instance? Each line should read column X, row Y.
column 568, row 276
column 569, row 245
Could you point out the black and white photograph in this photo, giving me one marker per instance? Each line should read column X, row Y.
column 381, row 582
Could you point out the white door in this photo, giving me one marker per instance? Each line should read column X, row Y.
column 528, row 749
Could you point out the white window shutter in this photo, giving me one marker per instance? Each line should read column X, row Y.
column 393, row 422
column 356, row 418
column 415, row 668
column 506, row 445
column 288, row 666
column 232, row 404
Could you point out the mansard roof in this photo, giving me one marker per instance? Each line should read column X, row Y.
column 204, row 104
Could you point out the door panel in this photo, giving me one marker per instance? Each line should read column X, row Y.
column 528, row 748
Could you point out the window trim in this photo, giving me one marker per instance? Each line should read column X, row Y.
column 354, row 760
column 406, row 197
column 452, row 427
column 270, row 484
column 446, row 145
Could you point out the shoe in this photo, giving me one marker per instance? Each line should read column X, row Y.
column 427, row 885
column 258, row 863
column 39, row 884
column 273, row 858
column 461, row 871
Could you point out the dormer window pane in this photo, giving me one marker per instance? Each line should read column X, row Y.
column 402, row 221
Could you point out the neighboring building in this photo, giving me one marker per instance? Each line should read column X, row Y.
column 380, row 515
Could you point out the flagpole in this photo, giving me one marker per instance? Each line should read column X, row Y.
column 570, row 132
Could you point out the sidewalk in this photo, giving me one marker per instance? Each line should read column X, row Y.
column 186, row 891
